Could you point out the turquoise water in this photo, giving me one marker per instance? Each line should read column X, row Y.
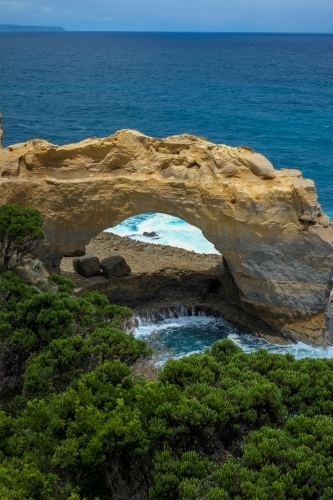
column 177, row 337
column 169, row 231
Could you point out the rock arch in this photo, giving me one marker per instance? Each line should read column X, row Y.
column 267, row 224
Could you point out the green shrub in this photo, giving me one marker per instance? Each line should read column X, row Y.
column 215, row 426
column 20, row 232
column 64, row 284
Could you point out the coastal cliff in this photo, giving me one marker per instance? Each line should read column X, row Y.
column 276, row 242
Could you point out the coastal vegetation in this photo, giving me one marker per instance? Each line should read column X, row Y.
column 78, row 422
column 20, row 232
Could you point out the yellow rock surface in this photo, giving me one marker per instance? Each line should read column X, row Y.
column 277, row 242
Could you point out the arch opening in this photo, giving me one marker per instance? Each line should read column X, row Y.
column 161, row 278
column 164, row 229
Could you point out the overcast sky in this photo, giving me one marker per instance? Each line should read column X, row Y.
column 315, row 16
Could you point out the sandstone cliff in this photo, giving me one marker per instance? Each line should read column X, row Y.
column 276, row 241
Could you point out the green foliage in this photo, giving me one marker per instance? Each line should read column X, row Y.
column 291, row 463
column 61, row 364
column 291, row 458
column 40, row 318
column 179, row 477
column 64, row 284
column 20, row 232
column 64, row 336
column 76, row 424
column 219, row 400
column 13, row 291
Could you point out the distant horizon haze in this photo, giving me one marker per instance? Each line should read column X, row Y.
column 242, row 16
column 60, row 29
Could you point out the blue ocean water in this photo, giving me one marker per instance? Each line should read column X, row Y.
column 272, row 92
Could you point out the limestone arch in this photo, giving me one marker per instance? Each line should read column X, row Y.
column 110, row 215
column 266, row 223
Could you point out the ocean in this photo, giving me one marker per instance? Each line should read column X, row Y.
column 271, row 92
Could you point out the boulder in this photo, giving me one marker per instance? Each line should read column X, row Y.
column 257, row 163
column 150, row 234
column 115, row 266
column 87, row 266
column 229, row 170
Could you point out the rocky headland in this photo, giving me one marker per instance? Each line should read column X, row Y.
column 276, row 242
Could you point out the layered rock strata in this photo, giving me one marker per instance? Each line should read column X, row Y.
column 267, row 224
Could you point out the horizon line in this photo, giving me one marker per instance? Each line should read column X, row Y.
column 64, row 30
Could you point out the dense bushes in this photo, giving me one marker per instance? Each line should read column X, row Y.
column 20, row 232
column 77, row 424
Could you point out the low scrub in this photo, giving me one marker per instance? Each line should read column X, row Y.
column 80, row 420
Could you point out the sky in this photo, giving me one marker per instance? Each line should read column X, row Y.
column 307, row 16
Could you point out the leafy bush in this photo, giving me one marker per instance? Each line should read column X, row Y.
column 64, row 284
column 20, row 232
column 77, row 424
column 32, row 320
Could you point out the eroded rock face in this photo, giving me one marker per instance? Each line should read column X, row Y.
column 276, row 241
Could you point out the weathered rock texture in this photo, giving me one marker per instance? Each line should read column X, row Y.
column 87, row 265
column 115, row 266
column 276, row 241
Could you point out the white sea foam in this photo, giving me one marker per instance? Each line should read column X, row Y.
column 188, row 334
column 144, row 330
column 170, row 231
column 300, row 350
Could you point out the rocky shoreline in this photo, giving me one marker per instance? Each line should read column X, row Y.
column 164, row 279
